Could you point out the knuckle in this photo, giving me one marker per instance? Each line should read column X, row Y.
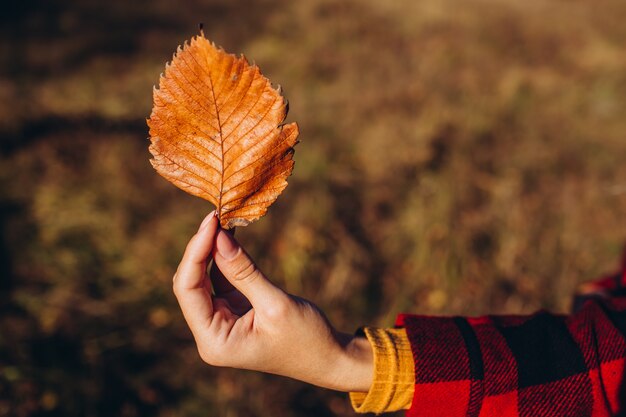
column 246, row 272
column 277, row 310
column 212, row 350
column 207, row 353
column 176, row 287
column 211, row 359
column 205, row 356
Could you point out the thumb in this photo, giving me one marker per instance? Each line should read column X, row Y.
column 242, row 272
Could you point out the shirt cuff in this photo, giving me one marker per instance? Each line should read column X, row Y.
column 394, row 374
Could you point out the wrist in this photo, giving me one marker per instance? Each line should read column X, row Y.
column 355, row 368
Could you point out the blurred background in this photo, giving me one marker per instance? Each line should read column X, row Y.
column 455, row 158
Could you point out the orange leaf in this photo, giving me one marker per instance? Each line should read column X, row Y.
column 216, row 132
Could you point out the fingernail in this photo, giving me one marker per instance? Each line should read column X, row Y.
column 206, row 220
column 226, row 245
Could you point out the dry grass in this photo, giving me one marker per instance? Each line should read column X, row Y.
column 455, row 159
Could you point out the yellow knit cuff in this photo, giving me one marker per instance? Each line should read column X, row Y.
column 394, row 373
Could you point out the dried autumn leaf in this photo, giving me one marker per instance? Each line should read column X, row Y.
column 216, row 132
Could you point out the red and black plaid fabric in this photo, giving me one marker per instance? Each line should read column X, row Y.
column 524, row 366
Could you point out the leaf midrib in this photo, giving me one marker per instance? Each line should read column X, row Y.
column 219, row 125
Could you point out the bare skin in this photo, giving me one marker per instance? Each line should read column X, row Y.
column 240, row 319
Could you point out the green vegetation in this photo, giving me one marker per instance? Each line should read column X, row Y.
column 456, row 158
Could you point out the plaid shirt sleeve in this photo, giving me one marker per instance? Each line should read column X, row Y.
column 526, row 366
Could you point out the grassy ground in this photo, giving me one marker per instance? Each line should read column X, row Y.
column 454, row 159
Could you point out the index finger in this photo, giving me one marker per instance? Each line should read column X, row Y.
column 219, row 282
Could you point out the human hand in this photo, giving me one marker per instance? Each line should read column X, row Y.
column 249, row 323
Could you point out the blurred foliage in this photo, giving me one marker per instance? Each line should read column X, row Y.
column 455, row 159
